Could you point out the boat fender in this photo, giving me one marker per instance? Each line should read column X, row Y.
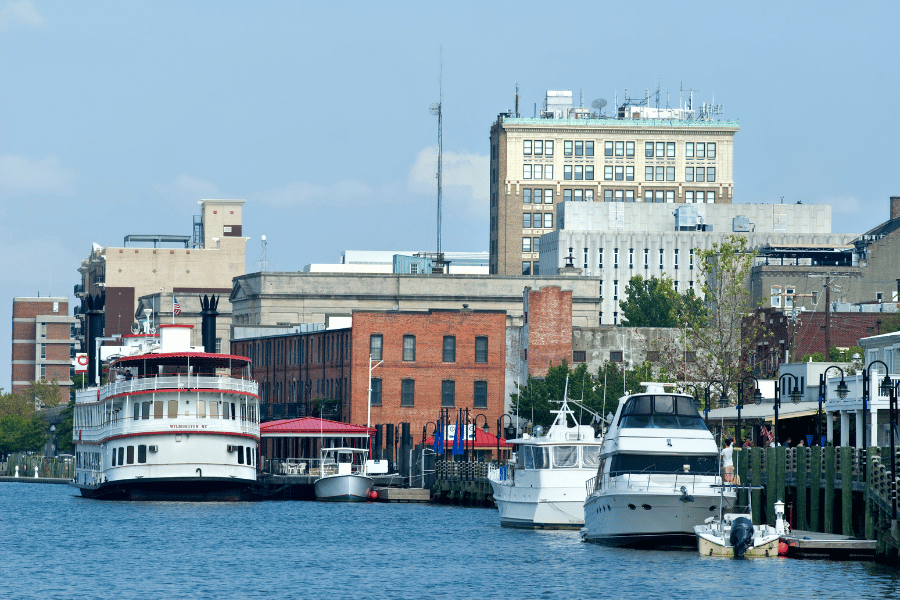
column 782, row 549
column 741, row 537
column 373, row 495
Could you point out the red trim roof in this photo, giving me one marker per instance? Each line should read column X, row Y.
column 313, row 425
column 185, row 326
column 221, row 360
column 484, row 440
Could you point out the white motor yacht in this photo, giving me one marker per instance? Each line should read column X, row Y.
column 545, row 486
column 342, row 475
column 658, row 475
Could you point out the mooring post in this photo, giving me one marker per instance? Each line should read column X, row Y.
column 802, row 521
column 756, row 495
column 781, row 472
column 846, row 490
column 744, row 474
column 815, row 492
column 828, row 455
column 867, row 506
column 771, row 485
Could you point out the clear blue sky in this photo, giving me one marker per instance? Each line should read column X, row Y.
column 116, row 117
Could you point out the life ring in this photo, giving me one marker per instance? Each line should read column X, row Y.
column 82, row 360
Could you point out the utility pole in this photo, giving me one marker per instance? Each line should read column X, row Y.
column 829, row 280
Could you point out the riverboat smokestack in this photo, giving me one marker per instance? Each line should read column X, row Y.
column 93, row 329
column 208, row 314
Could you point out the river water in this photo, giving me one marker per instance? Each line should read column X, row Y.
column 55, row 544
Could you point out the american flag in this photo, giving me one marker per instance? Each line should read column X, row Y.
column 176, row 308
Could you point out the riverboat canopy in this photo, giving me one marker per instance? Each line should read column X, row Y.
column 179, row 358
column 311, row 427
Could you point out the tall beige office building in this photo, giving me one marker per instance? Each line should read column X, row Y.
column 641, row 154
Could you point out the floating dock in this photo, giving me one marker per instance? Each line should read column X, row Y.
column 812, row 544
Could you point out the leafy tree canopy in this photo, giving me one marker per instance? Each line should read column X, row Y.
column 654, row 302
column 22, row 434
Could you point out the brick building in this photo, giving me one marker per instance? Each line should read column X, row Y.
column 547, row 331
column 42, row 342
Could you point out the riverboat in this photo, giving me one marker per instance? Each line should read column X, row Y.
column 544, row 487
column 172, row 423
column 658, row 475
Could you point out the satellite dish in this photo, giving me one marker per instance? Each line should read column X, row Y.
column 435, row 108
column 599, row 103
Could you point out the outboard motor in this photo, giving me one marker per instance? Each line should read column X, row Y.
column 741, row 537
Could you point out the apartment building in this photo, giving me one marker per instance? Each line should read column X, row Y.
column 42, row 342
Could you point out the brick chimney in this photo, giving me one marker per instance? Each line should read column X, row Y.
column 895, row 207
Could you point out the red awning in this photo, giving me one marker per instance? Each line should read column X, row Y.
column 313, row 427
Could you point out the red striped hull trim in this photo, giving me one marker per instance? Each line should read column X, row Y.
column 171, row 432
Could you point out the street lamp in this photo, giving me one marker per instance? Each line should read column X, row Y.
column 484, row 428
column 757, row 398
column 723, row 398
column 823, row 389
column 884, row 390
column 508, row 432
column 696, row 394
column 795, row 393
column 425, row 430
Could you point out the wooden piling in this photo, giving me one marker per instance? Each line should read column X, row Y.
column 756, row 473
column 867, row 506
column 828, row 456
column 743, row 471
column 802, row 489
column 780, row 472
column 771, row 484
column 846, row 490
column 815, row 493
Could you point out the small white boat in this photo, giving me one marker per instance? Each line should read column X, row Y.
column 343, row 475
column 736, row 535
column 545, row 486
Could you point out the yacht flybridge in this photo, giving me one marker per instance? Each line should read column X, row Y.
column 172, row 423
column 658, row 475
column 544, row 487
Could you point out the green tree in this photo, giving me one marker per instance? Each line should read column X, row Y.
column 22, row 434
column 43, row 394
column 14, row 405
column 655, row 303
column 64, row 442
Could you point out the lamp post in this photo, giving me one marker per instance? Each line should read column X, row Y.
column 884, row 389
column 510, row 429
column 757, row 399
column 892, row 411
column 425, row 430
column 796, row 392
column 723, row 398
column 484, row 428
column 823, row 389
column 696, row 394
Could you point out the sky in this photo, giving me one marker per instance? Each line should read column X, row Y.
column 117, row 117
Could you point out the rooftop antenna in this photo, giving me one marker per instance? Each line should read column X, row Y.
column 263, row 262
column 599, row 103
column 691, row 101
column 436, row 110
column 517, row 100
column 581, row 97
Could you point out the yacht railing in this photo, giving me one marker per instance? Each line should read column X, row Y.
column 179, row 381
column 645, row 482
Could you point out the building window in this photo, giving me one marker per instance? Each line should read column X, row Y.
column 689, row 149
column 567, row 195
column 548, row 148
column 670, row 173
column 775, row 294
column 631, row 258
column 607, row 195
column 608, row 173
column 481, row 350
column 620, row 173
column 43, row 350
column 548, row 196
column 130, row 455
column 578, row 356
column 579, row 148
column 710, row 173
column 660, row 173
column 376, row 343
column 527, row 148
column 408, row 392
column 701, row 150
column 538, row 171
column 409, row 348
column 700, row 173
column 538, row 147
column 648, row 149
column 579, row 172
column 689, row 173
column 629, row 173
column 615, row 258
column 43, row 372
column 711, row 150
column 448, row 393
column 691, row 267
column 43, row 330
column 629, row 149
column 600, row 252
column 526, row 220
column 548, row 220
column 585, row 258
column 480, row 400
column 526, row 171
column 648, row 173
column 629, row 195
column 615, row 289
column 676, row 259
column 526, row 267
column 526, row 196
column 589, row 172
column 567, row 172
column 690, row 357
column 142, row 453
column 660, row 259
column 620, row 148
column 710, row 197
column 548, row 171
column 660, row 149
column 376, row 391
column 615, row 356
column 538, row 194
column 670, row 196
column 567, row 148
column 535, row 246
column 589, row 148
column 670, row 149
column 607, row 149
column 646, row 258
column 676, row 286
column 648, row 195
column 449, row 352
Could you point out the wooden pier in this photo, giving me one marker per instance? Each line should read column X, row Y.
column 462, row 482
column 812, row 544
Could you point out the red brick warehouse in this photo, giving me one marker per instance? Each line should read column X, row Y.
column 439, row 358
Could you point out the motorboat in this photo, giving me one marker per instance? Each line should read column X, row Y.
column 343, row 475
column 172, row 423
column 658, row 474
column 735, row 535
column 544, row 486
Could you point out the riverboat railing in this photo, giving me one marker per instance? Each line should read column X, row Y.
column 179, row 381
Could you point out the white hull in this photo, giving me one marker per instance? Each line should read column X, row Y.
column 649, row 518
column 713, row 544
column 344, row 488
column 546, row 508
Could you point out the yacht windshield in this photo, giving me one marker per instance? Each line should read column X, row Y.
column 664, row 463
column 565, row 457
column 537, row 457
column 590, row 456
column 661, row 412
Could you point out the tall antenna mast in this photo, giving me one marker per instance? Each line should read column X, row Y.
column 436, row 109
column 517, row 100
column 263, row 262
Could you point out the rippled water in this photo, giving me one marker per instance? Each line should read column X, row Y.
column 54, row 544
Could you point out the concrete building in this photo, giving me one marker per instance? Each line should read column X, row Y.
column 570, row 153
column 271, row 299
column 376, row 261
column 614, row 242
column 190, row 314
column 202, row 263
column 42, row 343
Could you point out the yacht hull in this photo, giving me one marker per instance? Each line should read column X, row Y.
column 533, row 508
column 344, row 488
column 205, row 489
column 648, row 519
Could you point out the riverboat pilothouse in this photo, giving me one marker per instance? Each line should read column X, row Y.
column 172, row 423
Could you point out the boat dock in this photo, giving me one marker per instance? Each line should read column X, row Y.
column 11, row 479
column 813, row 544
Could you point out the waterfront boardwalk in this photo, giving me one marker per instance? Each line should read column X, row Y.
column 812, row 544
column 11, row 479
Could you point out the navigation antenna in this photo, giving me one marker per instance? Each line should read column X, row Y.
column 517, row 99
column 263, row 262
column 436, row 109
column 599, row 103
